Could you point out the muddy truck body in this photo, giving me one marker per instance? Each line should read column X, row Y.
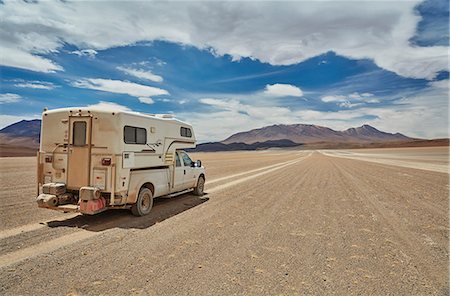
column 91, row 160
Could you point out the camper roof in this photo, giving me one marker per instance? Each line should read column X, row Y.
column 109, row 110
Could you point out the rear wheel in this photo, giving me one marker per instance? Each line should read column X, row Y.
column 143, row 203
column 198, row 190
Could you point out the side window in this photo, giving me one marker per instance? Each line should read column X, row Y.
column 185, row 132
column 178, row 162
column 134, row 135
column 141, row 136
column 129, row 135
column 186, row 159
column 79, row 133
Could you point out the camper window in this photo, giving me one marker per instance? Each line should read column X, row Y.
column 79, row 133
column 134, row 135
column 186, row 132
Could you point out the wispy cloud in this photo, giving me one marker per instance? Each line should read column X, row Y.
column 104, row 105
column 9, row 98
column 146, row 100
column 352, row 100
column 121, row 87
column 142, row 74
column 36, row 85
column 91, row 53
column 334, row 98
column 28, row 60
column 299, row 30
column 283, row 90
column 248, row 77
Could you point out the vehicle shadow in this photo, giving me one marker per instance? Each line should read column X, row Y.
column 163, row 208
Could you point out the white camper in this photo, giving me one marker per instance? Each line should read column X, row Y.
column 91, row 160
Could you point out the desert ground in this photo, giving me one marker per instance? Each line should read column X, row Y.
column 341, row 222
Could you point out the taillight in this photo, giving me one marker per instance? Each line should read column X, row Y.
column 106, row 161
column 48, row 159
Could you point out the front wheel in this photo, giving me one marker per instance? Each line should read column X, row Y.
column 143, row 203
column 198, row 190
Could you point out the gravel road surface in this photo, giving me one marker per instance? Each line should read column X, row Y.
column 272, row 223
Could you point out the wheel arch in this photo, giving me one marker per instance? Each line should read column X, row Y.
column 199, row 176
column 148, row 185
column 135, row 186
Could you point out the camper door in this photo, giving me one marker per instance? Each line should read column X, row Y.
column 79, row 152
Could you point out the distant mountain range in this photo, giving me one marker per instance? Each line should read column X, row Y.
column 22, row 138
column 308, row 133
column 24, row 128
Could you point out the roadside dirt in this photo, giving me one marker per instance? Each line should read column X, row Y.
column 316, row 225
column 18, row 181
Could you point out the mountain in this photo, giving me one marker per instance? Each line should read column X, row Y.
column 369, row 133
column 308, row 133
column 20, row 138
column 24, row 128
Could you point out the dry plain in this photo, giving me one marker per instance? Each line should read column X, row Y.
column 343, row 222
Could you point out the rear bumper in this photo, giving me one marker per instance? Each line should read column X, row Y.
column 55, row 197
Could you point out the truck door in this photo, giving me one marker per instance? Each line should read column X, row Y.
column 79, row 152
column 178, row 182
column 190, row 175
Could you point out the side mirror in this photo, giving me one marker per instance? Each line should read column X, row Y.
column 198, row 164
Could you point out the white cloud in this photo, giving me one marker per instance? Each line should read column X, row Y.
column 282, row 90
column 348, row 104
column 19, row 58
column 339, row 98
column 440, row 84
column 352, row 100
column 293, row 31
column 146, row 100
column 372, row 101
column 141, row 74
column 36, row 85
column 85, row 52
column 415, row 116
column 120, row 87
column 9, row 98
column 103, row 105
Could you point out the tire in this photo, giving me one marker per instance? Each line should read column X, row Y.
column 198, row 190
column 143, row 203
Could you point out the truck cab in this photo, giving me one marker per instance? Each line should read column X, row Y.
column 186, row 170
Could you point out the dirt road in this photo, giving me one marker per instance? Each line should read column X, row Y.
column 272, row 223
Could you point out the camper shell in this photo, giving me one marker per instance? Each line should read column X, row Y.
column 109, row 156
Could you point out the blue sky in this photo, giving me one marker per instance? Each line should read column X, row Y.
column 229, row 67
